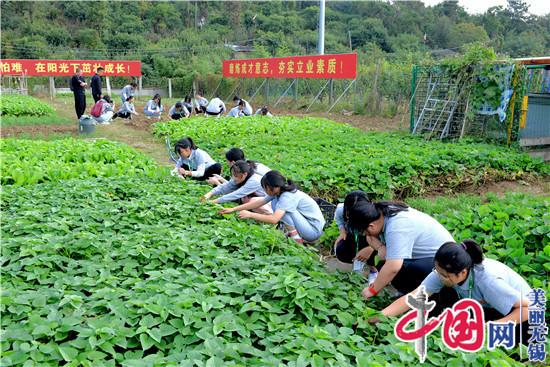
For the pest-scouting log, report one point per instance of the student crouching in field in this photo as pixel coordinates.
(200, 103)
(186, 102)
(264, 111)
(461, 272)
(406, 238)
(351, 246)
(127, 109)
(178, 111)
(194, 162)
(216, 107)
(244, 186)
(233, 155)
(103, 110)
(245, 107)
(299, 213)
(154, 107)
(127, 91)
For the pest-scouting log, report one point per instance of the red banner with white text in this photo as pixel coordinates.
(68, 67)
(337, 66)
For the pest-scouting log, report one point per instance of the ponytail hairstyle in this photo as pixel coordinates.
(275, 179)
(157, 96)
(456, 257)
(184, 144)
(129, 98)
(242, 167)
(364, 213)
(351, 199)
(234, 155)
(107, 99)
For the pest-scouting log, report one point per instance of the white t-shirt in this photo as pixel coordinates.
(494, 285)
(216, 105)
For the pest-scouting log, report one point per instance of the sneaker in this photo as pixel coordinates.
(372, 277)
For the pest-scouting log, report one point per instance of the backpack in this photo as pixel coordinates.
(97, 108)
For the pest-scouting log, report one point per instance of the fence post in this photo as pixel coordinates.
(52, 88)
(108, 81)
(331, 92)
(169, 87)
(140, 82)
(266, 92)
(413, 100)
(296, 93)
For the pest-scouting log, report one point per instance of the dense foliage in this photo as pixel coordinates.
(25, 162)
(330, 159)
(20, 105)
(136, 272)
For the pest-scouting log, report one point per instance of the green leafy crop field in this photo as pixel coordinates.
(25, 162)
(136, 272)
(20, 105)
(329, 159)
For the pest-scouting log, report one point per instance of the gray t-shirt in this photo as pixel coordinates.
(300, 202)
(198, 162)
(339, 216)
(231, 191)
(494, 285)
(412, 234)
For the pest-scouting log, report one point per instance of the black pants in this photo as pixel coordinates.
(214, 169)
(213, 113)
(200, 109)
(347, 249)
(97, 96)
(124, 115)
(79, 104)
(412, 273)
(177, 116)
(447, 297)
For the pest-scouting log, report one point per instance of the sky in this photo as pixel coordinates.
(537, 7)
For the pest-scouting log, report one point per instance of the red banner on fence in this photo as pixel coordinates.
(68, 67)
(338, 66)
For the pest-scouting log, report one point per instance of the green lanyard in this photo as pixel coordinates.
(471, 283)
(356, 234)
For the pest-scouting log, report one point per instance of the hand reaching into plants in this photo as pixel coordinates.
(226, 211)
(244, 214)
(364, 254)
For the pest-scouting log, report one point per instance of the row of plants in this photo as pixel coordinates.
(27, 162)
(329, 159)
(137, 272)
(22, 105)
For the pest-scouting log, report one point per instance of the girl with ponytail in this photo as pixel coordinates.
(405, 237)
(194, 162)
(299, 213)
(461, 271)
(245, 186)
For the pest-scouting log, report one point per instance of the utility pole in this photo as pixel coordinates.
(321, 39)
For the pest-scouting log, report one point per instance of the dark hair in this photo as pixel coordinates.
(275, 179)
(157, 96)
(351, 199)
(99, 69)
(129, 98)
(242, 167)
(456, 257)
(236, 98)
(364, 213)
(241, 103)
(184, 144)
(264, 110)
(187, 99)
(179, 105)
(134, 84)
(107, 99)
(234, 154)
